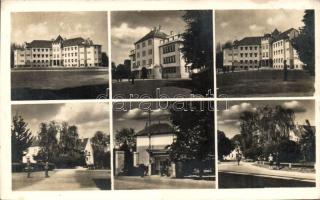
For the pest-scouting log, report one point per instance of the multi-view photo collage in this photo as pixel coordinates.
(170, 99)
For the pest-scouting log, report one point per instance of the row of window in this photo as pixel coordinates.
(265, 54)
(278, 44)
(250, 48)
(265, 46)
(144, 62)
(250, 54)
(169, 48)
(169, 70)
(40, 49)
(144, 44)
(144, 53)
(169, 59)
(278, 60)
(70, 48)
(249, 61)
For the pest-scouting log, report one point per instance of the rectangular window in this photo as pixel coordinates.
(143, 44)
(149, 42)
(144, 63)
(138, 55)
(143, 53)
(150, 61)
(250, 48)
(138, 46)
(150, 51)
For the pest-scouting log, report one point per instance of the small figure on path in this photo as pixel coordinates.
(28, 168)
(278, 161)
(270, 159)
(132, 78)
(46, 169)
(238, 157)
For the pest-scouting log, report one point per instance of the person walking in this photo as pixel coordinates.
(238, 157)
(46, 169)
(278, 160)
(270, 159)
(28, 168)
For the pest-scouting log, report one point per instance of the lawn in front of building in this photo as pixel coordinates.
(179, 88)
(265, 83)
(58, 84)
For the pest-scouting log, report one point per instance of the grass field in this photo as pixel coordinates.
(58, 84)
(265, 83)
(148, 88)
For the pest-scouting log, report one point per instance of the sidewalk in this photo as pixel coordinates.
(250, 169)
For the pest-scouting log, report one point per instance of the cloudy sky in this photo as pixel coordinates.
(135, 115)
(129, 26)
(88, 117)
(237, 24)
(30, 26)
(228, 119)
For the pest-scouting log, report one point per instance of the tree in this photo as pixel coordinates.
(194, 131)
(225, 145)
(69, 146)
(100, 141)
(48, 142)
(125, 139)
(198, 48)
(198, 43)
(194, 138)
(104, 59)
(123, 71)
(305, 42)
(21, 138)
(308, 142)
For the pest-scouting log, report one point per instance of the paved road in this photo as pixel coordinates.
(156, 182)
(63, 179)
(247, 175)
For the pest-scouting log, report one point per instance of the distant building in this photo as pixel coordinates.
(152, 146)
(74, 52)
(159, 55)
(31, 152)
(88, 152)
(269, 51)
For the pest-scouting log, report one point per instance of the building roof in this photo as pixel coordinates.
(74, 41)
(156, 129)
(285, 34)
(58, 39)
(155, 33)
(249, 41)
(84, 142)
(39, 44)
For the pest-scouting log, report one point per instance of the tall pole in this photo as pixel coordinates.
(149, 134)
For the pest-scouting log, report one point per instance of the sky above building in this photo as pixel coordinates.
(136, 115)
(233, 25)
(88, 117)
(28, 26)
(127, 27)
(229, 112)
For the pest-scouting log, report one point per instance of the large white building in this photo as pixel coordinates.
(270, 51)
(159, 55)
(75, 52)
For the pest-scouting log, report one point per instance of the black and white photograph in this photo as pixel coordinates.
(163, 145)
(162, 54)
(266, 144)
(59, 55)
(60, 147)
(262, 53)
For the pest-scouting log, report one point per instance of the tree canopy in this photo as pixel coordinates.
(194, 134)
(305, 42)
(21, 138)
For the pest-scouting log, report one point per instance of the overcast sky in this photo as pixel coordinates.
(237, 24)
(28, 26)
(88, 117)
(136, 115)
(228, 119)
(128, 27)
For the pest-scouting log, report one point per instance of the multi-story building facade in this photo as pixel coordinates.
(269, 51)
(75, 52)
(159, 55)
